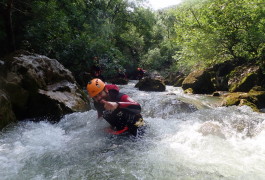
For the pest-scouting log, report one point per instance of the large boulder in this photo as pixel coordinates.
(199, 82)
(243, 78)
(149, 84)
(220, 72)
(254, 99)
(40, 87)
(7, 115)
(175, 79)
(120, 81)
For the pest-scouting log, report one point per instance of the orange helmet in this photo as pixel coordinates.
(94, 87)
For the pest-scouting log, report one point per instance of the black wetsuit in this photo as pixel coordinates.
(127, 115)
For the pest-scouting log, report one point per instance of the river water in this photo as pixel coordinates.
(188, 137)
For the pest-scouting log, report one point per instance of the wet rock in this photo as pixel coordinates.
(244, 78)
(41, 87)
(211, 128)
(188, 91)
(247, 128)
(254, 99)
(240, 127)
(149, 84)
(7, 115)
(233, 76)
(175, 79)
(231, 99)
(155, 75)
(217, 94)
(120, 81)
(257, 88)
(199, 81)
(170, 94)
(219, 73)
(243, 102)
(179, 82)
(2, 67)
(83, 78)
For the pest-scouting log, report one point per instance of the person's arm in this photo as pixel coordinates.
(99, 108)
(100, 114)
(125, 103)
(129, 104)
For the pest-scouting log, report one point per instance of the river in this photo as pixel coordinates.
(198, 140)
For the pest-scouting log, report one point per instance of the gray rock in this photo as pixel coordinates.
(40, 87)
(7, 115)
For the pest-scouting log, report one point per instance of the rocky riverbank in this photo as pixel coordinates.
(243, 82)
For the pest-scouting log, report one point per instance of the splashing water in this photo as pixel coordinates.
(182, 141)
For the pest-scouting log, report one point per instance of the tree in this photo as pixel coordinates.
(6, 9)
(213, 31)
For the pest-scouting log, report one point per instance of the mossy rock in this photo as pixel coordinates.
(199, 81)
(188, 91)
(175, 79)
(257, 88)
(219, 74)
(149, 84)
(254, 99)
(179, 82)
(258, 98)
(245, 84)
(244, 78)
(232, 99)
(250, 104)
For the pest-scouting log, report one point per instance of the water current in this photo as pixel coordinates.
(188, 137)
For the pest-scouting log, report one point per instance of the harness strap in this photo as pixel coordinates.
(117, 132)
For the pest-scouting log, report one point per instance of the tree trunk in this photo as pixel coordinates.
(7, 16)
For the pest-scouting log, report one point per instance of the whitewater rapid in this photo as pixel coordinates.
(187, 137)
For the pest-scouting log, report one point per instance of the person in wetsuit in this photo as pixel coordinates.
(96, 72)
(118, 109)
(140, 73)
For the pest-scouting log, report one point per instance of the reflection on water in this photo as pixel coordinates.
(182, 141)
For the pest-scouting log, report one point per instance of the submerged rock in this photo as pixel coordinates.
(211, 128)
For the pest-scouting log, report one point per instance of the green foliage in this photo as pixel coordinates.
(123, 34)
(213, 31)
(162, 46)
(76, 31)
(153, 59)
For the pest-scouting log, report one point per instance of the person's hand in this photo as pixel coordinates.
(109, 105)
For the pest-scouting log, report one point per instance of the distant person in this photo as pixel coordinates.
(140, 73)
(96, 72)
(121, 74)
(118, 109)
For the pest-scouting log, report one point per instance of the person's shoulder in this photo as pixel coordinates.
(112, 87)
